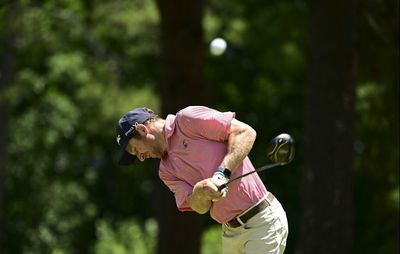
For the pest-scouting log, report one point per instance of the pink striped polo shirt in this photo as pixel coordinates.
(196, 139)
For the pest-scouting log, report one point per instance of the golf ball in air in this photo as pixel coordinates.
(218, 46)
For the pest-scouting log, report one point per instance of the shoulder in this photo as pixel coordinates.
(196, 112)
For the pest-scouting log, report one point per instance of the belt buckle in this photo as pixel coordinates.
(238, 219)
(235, 223)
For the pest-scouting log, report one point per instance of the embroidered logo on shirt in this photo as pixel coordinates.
(185, 143)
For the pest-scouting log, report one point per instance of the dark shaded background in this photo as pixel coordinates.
(325, 72)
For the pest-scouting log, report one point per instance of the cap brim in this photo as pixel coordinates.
(125, 158)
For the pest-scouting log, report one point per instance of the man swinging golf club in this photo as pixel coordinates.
(200, 150)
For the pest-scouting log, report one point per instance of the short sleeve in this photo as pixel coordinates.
(205, 122)
(180, 189)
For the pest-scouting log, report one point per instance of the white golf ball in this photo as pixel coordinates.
(218, 46)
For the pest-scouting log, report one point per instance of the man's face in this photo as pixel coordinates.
(144, 147)
(139, 148)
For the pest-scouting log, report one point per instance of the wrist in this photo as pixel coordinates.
(225, 171)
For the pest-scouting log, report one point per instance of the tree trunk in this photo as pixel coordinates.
(327, 219)
(7, 65)
(182, 84)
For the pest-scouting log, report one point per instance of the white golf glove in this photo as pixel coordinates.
(219, 178)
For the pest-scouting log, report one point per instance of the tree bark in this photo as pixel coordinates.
(327, 219)
(7, 72)
(182, 84)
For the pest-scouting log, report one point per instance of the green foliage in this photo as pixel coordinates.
(126, 237)
(376, 176)
(377, 128)
(79, 65)
(130, 237)
(70, 88)
(264, 65)
(66, 207)
(211, 242)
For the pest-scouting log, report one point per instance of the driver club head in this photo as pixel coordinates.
(281, 149)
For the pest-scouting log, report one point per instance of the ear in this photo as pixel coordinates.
(144, 132)
(142, 129)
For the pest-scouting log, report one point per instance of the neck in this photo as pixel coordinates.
(159, 132)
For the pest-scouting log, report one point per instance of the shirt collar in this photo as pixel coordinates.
(169, 127)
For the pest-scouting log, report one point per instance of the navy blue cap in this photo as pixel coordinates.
(126, 128)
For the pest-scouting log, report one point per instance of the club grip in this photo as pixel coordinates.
(221, 187)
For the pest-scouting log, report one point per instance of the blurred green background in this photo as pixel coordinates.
(71, 68)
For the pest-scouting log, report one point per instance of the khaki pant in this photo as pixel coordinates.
(265, 233)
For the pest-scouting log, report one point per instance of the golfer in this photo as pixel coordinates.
(200, 149)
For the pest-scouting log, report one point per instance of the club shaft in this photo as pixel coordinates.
(265, 167)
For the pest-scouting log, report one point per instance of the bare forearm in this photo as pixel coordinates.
(240, 143)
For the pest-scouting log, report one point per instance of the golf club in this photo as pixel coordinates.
(280, 151)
